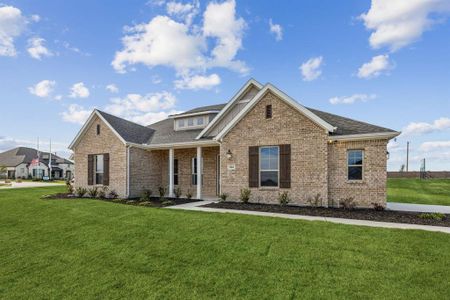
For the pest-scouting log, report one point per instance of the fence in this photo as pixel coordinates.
(416, 174)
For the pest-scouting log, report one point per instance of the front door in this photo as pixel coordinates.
(218, 175)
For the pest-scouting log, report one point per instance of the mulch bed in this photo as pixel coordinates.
(359, 214)
(153, 202)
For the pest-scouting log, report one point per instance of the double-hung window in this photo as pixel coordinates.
(98, 168)
(269, 166)
(355, 164)
(195, 171)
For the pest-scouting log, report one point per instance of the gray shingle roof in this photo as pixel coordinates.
(163, 131)
(129, 131)
(348, 126)
(16, 156)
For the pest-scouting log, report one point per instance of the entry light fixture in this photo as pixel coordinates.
(229, 154)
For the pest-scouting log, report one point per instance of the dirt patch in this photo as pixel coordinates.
(358, 214)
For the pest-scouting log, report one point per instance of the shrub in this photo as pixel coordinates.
(167, 203)
(19, 180)
(432, 216)
(315, 201)
(177, 192)
(245, 195)
(7, 180)
(188, 194)
(146, 194)
(223, 197)
(283, 198)
(92, 192)
(378, 206)
(102, 192)
(69, 187)
(347, 203)
(112, 194)
(162, 191)
(80, 191)
(146, 203)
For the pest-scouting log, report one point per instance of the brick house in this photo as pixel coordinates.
(261, 139)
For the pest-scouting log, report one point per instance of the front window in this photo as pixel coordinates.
(181, 123)
(175, 171)
(200, 121)
(98, 168)
(268, 166)
(194, 171)
(355, 164)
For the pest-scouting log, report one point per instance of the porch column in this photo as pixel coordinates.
(199, 172)
(171, 172)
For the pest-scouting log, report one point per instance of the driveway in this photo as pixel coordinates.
(28, 184)
(443, 209)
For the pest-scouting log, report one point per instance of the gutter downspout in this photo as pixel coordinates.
(128, 172)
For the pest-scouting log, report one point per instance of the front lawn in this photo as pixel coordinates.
(430, 191)
(97, 249)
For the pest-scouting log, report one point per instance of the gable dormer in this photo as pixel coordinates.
(197, 118)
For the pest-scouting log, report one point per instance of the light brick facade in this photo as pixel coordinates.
(105, 142)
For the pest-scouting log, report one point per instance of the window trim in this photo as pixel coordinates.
(358, 165)
(95, 169)
(271, 170)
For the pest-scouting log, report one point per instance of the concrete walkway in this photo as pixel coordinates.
(443, 209)
(28, 184)
(196, 206)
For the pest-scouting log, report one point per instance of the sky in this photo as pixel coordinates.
(385, 62)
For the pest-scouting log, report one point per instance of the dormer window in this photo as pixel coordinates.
(190, 122)
(181, 123)
(200, 121)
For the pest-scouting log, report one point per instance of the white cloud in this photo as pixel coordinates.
(311, 68)
(112, 88)
(36, 48)
(79, 90)
(185, 12)
(398, 23)
(43, 88)
(156, 79)
(417, 128)
(375, 67)
(277, 30)
(152, 117)
(76, 114)
(142, 108)
(352, 99)
(35, 18)
(198, 82)
(58, 97)
(182, 46)
(435, 145)
(12, 24)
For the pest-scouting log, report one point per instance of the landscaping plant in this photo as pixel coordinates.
(283, 198)
(188, 194)
(80, 191)
(102, 192)
(92, 192)
(378, 206)
(162, 191)
(177, 192)
(113, 194)
(432, 216)
(245, 195)
(315, 201)
(223, 197)
(146, 194)
(348, 203)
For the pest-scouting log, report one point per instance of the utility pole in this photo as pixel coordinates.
(407, 156)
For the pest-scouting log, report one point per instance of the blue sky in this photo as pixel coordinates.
(384, 62)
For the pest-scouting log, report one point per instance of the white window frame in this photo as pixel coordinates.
(191, 123)
(268, 170)
(355, 165)
(96, 157)
(180, 123)
(193, 167)
(198, 119)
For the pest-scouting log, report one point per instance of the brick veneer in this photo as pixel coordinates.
(145, 171)
(106, 142)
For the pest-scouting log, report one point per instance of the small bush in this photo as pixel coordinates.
(348, 203)
(315, 201)
(167, 203)
(102, 192)
(432, 216)
(283, 198)
(378, 206)
(177, 192)
(69, 187)
(92, 192)
(112, 194)
(223, 197)
(162, 191)
(188, 194)
(146, 203)
(19, 180)
(80, 191)
(146, 195)
(245, 195)
(7, 180)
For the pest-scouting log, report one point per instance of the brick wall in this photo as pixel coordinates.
(106, 142)
(145, 171)
(372, 188)
(287, 126)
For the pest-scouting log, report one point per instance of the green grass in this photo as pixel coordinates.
(430, 191)
(96, 249)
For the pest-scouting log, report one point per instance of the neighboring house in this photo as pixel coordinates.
(18, 164)
(261, 139)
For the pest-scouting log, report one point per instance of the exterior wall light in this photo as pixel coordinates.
(229, 154)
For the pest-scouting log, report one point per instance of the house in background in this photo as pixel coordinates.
(261, 139)
(18, 162)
